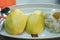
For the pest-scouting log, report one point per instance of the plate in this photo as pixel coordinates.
(28, 9)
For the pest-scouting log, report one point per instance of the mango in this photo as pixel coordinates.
(15, 22)
(35, 22)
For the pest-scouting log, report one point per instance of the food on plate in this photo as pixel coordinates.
(35, 23)
(56, 15)
(15, 22)
(52, 21)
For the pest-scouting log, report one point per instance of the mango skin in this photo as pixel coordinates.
(15, 22)
(35, 23)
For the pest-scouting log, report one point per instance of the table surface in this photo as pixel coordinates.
(33, 2)
(38, 1)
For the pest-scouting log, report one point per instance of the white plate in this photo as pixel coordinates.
(28, 9)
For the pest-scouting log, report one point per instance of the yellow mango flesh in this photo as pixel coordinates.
(35, 23)
(15, 22)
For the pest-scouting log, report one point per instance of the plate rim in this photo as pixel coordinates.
(33, 5)
(50, 37)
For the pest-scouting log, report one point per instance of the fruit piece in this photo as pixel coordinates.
(15, 22)
(56, 15)
(35, 23)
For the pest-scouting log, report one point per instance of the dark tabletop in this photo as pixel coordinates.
(7, 38)
(41, 1)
